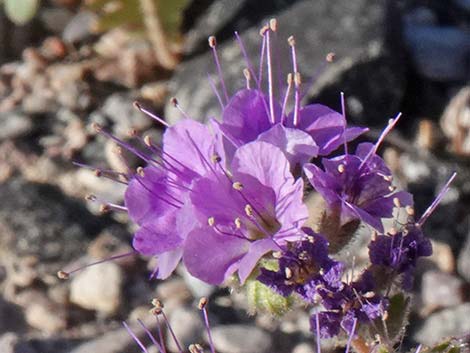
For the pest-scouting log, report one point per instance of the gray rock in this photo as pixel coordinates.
(117, 341)
(197, 287)
(38, 221)
(79, 27)
(11, 343)
(440, 290)
(14, 125)
(119, 109)
(448, 322)
(241, 339)
(98, 288)
(355, 30)
(11, 317)
(463, 260)
(188, 326)
(429, 44)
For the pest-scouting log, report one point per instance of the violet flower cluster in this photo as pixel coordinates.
(228, 197)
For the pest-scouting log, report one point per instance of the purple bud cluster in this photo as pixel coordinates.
(227, 197)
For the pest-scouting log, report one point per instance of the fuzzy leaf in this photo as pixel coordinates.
(261, 298)
(21, 11)
(397, 319)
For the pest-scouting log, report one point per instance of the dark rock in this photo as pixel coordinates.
(38, 220)
(11, 318)
(12, 343)
(357, 31)
(463, 260)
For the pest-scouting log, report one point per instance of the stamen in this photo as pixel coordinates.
(135, 338)
(297, 80)
(273, 24)
(410, 210)
(351, 335)
(396, 202)
(270, 77)
(216, 92)
(392, 188)
(437, 201)
(330, 57)
(151, 336)
(261, 58)
(66, 274)
(175, 103)
(150, 114)
(238, 222)
(341, 168)
(317, 329)
(203, 307)
(390, 126)
(215, 158)
(343, 111)
(288, 273)
(249, 210)
(247, 75)
(213, 44)
(286, 96)
(195, 348)
(158, 308)
(247, 59)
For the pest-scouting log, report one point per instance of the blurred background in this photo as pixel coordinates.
(67, 63)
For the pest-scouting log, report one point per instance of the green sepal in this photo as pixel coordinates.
(261, 298)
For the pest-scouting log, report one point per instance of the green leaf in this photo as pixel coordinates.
(21, 11)
(261, 298)
(397, 317)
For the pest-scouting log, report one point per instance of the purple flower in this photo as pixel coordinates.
(302, 267)
(156, 196)
(319, 131)
(250, 209)
(350, 304)
(357, 186)
(400, 251)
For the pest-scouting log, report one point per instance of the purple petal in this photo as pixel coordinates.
(167, 263)
(249, 261)
(298, 146)
(212, 257)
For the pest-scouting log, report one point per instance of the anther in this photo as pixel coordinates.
(392, 231)
(310, 239)
(247, 75)
(410, 210)
(385, 316)
(297, 79)
(396, 202)
(237, 186)
(195, 348)
(288, 273)
(98, 173)
(273, 24)
(215, 158)
(291, 41)
(388, 178)
(63, 275)
(90, 197)
(211, 221)
(277, 254)
(392, 188)
(157, 303)
(263, 30)
(238, 222)
(148, 140)
(249, 210)
(289, 79)
(140, 171)
(174, 101)
(104, 208)
(132, 132)
(374, 236)
(330, 57)
(202, 303)
(341, 168)
(97, 127)
(212, 41)
(369, 295)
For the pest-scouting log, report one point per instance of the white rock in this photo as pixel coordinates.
(98, 288)
(241, 339)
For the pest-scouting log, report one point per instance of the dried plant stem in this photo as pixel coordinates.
(156, 36)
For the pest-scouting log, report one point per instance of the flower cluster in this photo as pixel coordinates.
(229, 197)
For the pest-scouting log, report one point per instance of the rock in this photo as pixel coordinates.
(448, 322)
(197, 287)
(463, 261)
(188, 326)
(441, 290)
(241, 339)
(11, 343)
(173, 292)
(56, 19)
(39, 221)
(119, 109)
(355, 30)
(46, 317)
(11, 317)
(79, 28)
(428, 44)
(303, 348)
(442, 256)
(14, 125)
(117, 341)
(98, 288)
